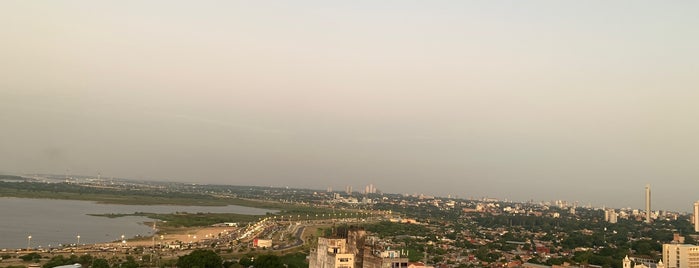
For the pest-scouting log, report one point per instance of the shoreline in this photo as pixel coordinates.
(179, 235)
(55, 224)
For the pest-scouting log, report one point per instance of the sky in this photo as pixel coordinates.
(583, 101)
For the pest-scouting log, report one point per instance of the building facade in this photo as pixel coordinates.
(331, 253)
(350, 250)
(262, 243)
(648, 212)
(641, 263)
(610, 215)
(385, 259)
(680, 256)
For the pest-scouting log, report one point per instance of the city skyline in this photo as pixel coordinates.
(349, 190)
(540, 100)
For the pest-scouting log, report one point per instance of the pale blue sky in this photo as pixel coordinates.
(544, 100)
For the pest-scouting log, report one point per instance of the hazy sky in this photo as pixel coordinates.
(543, 100)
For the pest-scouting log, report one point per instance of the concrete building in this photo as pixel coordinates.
(641, 263)
(262, 243)
(610, 216)
(344, 250)
(418, 265)
(677, 239)
(385, 259)
(356, 241)
(348, 249)
(696, 216)
(370, 189)
(331, 253)
(680, 256)
(648, 212)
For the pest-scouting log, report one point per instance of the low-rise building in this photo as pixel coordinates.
(262, 243)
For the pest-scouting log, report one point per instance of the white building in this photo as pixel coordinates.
(645, 263)
(262, 243)
(648, 211)
(681, 256)
(610, 216)
(77, 265)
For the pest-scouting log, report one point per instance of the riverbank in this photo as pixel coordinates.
(53, 223)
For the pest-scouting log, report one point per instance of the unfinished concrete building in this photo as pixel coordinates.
(384, 259)
(347, 248)
(331, 253)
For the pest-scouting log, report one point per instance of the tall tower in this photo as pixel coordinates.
(696, 216)
(647, 203)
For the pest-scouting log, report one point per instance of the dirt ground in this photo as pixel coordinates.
(186, 235)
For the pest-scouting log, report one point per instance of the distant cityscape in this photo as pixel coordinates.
(374, 229)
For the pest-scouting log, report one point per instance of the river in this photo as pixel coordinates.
(51, 222)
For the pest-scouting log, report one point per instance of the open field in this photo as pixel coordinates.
(123, 197)
(185, 235)
(141, 196)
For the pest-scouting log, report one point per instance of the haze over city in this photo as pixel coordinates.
(543, 100)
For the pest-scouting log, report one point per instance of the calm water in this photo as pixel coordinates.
(53, 222)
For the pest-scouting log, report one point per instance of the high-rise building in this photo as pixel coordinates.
(696, 216)
(348, 189)
(370, 189)
(680, 256)
(648, 212)
(613, 217)
(610, 215)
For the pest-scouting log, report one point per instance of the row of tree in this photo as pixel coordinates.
(200, 258)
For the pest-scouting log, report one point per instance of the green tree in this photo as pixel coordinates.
(85, 260)
(129, 263)
(60, 260)
(294, 260)
(100, 263)
(200, 259)
(31, 257)
(231, 264)
(246, 261)
(268, 261)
